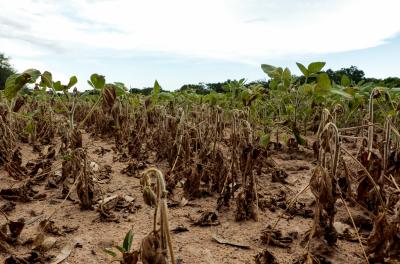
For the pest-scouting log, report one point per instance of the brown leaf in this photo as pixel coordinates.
(65, 252)
(32, 257)
(321, 186)
(221, 240)
(151, 251)
(265, 257)
(16, 227)
(108, 98)
(207, 218)
(275, 238)
(21, 192)
(130, 257)
(8, 206)
(378, 240)
(48, 226)
(75, 139)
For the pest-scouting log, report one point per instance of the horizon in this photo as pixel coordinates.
(185, 42)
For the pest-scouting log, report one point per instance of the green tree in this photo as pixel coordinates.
(217, 87)
(264, 84)
(353, 73)
(390, 82)
(143, 91)
(5, 70)
(200, 88)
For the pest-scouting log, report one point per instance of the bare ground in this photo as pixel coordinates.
(193, 246)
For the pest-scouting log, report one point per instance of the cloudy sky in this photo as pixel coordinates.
(191, 41)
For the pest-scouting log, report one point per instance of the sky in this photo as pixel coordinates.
(189, 41)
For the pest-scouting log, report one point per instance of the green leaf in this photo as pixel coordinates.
(323, 81)
(350, 90)
(265, 139)
(46, 79)
(271, 71)
(128, 241)
(278, 72)
(245, 94)
(290, 108)
(119, 91)
(29, 128)
(165, 96)
(296, 133)
(110, 252)
(134, 101)
(286, 76)
(156, 92)
(58, 86)
(72, 81)
(121, 249)
(91, 84)
(120, 88)
(97, 81)
(345, 81)
(33, 73)
(396, 90)
(307, 88)
(273, 84)
(342, 93)
(267, 68)
(362, 82)
(156, 88)
(281, 86)
(315, 67)
(11, 88)
(302, 68)
(14, 84)
(299, 138)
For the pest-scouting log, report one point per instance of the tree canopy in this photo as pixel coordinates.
(353, 73)
(5, 70)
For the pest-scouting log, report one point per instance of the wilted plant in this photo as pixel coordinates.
(156, 244)
(323, 182)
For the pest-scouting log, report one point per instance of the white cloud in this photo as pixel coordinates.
(237, 30)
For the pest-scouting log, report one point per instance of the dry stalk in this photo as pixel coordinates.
(376, 187)
(162, 204)
(355, 227)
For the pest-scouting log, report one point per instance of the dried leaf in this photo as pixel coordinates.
(16, 227)
(48, 226)
(151, 251)
(275, 238)
(221, 240)
(108, 98)
(21, 192)
(65, 252)
(207, 218)
(265, 257)
(32, 257)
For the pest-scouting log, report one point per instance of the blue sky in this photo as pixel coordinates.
(188, 41)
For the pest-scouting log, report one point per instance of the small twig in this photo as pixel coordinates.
(4, 214)
(355, 227)
(394, 182)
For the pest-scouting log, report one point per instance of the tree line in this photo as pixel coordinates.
(354, 74)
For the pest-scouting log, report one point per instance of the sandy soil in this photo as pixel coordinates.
(193, 246)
